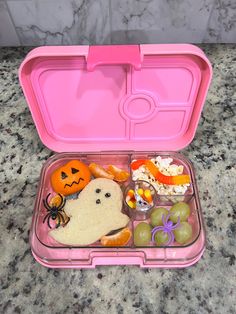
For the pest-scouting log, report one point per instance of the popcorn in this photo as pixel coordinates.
(166, 167)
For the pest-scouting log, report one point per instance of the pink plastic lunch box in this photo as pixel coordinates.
(110, 105)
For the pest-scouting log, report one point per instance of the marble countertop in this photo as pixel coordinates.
(207, 287)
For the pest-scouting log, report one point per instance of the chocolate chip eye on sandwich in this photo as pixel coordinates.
(94, 214)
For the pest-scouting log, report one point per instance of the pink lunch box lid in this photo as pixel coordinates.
(103, 98)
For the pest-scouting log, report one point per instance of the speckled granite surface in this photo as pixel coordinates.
(207, 287)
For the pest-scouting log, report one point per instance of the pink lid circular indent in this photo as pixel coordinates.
(139, 107)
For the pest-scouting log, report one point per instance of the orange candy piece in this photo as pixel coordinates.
(170, 180)
(160, 177)
(120, 238)
(119, 174)
(137, 163)
(99, 172)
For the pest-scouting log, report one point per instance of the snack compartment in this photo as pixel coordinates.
(194, 220)
(41, 229)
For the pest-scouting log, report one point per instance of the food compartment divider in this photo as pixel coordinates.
(167, 200)
(123, 160)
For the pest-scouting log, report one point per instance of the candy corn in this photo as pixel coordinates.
(140, 194)
(147, 196)
(130, 194)
(132, 204)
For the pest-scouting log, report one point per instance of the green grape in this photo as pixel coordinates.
(161, 237)
(183, 233)
(156, 216)
(142, 234)
(179, 210)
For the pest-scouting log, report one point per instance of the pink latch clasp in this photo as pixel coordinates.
(114, 55)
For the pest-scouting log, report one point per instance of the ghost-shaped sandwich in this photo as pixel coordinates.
(95, 213)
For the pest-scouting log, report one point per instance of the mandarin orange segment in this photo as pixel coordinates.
(56, 201)
(120, 238)
(99, 172)
(119, 174)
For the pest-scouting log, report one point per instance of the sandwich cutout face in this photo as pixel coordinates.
(70, 178)
(94, 214)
